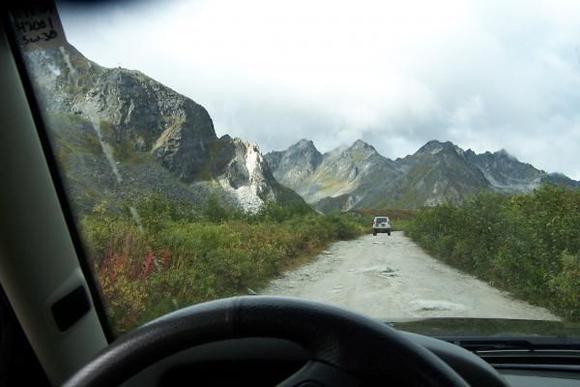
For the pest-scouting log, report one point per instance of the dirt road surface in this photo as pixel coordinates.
(391, 277)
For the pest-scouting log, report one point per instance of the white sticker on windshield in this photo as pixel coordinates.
(38, 27)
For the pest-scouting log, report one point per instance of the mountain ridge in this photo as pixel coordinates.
(438, 172)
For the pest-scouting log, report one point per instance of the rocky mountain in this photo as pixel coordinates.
(295, 164)
(339, 172)
(359, 177)
(505, 173)
(435, 174)
(561, 180)
(119, 134)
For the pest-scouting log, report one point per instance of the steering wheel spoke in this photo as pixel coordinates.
(318, 374)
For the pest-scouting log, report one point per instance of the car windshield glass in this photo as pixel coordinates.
(220, 148)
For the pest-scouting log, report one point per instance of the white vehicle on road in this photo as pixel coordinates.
(381, 224)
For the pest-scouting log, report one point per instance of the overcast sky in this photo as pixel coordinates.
(485, 75)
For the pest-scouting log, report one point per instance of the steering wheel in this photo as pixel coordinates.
(346, 348)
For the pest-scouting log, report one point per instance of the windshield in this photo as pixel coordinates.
(212, 149)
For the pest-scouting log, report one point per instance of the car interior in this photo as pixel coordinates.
(54, 328)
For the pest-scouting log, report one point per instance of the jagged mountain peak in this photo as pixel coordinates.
(357, 151)
(358, 155)
(293, 165)
(303, 143)
(434, 144)
(503, 153)
(435, 147)
(504, 156)
(361, 146)
(303, 147)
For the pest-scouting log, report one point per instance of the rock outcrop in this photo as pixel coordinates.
(133, 135)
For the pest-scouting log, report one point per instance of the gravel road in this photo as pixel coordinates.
(391, 277)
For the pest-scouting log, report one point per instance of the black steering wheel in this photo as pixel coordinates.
(346, 348)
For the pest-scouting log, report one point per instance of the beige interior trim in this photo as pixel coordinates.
(38, 262)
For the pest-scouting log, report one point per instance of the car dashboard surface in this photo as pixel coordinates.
(266, 362)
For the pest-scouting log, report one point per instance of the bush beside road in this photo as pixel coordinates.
(528, 245)
(182, 256)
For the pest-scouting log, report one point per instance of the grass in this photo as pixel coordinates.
(186, 255)
(528, 245)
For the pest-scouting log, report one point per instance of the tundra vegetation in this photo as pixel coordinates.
(184, 255)
(528, 245)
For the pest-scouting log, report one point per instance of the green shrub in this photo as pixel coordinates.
(185, 255)
(527, 244)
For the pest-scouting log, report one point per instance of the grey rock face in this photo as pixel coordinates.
(435, 174)
(505, 173)
(132, 109)
(241, 170)
(295, 164)
(343, 173)
(135, 120)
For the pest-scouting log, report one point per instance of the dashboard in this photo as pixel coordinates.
(266, 362)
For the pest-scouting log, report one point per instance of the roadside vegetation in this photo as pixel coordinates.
(528, 245)
(183, 255)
